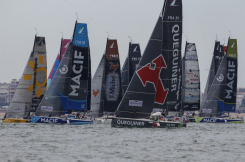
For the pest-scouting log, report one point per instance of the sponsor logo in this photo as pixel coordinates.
(209, 120)
(136, 103)
(95, 93)
(220, 78)
(48, 120)
(173, 3)
(77, 69)
(135, 49)
(112, 88)
(152, 75)
(63, 69)
(113, 67)
(46, 108)
(67, 44)
(175, 61)
(81, 31)
(18, 109)
(231, 70)
(130, 123)
(233, 45)
(112, 45)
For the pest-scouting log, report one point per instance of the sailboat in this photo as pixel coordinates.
(221, 97)
(190, 79)
(69, 90)
(106, 84)
(157, 78)
(32, 85)
(130, 65)
(63, 47)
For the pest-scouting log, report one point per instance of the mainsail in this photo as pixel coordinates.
(222, 94)
(70, 87)
(113, 91)
(130, 65)
(171, 51)
(191, 79)
(33, 82)
(215, 63)
(63, 47)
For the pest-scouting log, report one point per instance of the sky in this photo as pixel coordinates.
(204, 21)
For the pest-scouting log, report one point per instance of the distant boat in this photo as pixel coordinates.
(130, 65)
(106, 84)
(32, 85)
(191, 79)
(221, 97)
(157, 78)
(63, 47)
(69, 90)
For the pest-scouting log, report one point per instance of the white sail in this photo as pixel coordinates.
(28, 90)
(97, 89)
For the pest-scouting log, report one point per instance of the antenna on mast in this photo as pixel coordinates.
(130, 39)
(77, 16)
(108, 35)
(36, 30)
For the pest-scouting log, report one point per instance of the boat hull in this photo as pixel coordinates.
(144, 123)
(217, 120)
(56, 120)
(14, 120)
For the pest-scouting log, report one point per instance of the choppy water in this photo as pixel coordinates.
(197, 142)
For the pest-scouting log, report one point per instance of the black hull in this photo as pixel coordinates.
(144, 123)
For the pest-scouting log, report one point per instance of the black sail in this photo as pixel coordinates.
(69, 88)
(130, 65)
(112, 84)
(125, 75)
(139, 98)
(171, 51)
(215, 63)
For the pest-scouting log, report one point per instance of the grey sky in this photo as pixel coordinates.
(202, 20)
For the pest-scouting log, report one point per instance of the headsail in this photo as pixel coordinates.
(33, 82)
(222, 94)
(113, 91)
(139, 98)
(69, 88)
(97, 101)
(63, 47)
(191, 79)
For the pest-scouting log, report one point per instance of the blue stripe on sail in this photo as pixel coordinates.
(56, 65)
(68, 104)
(223, 107)
(81, 35)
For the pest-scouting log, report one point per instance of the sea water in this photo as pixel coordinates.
(101, 143)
